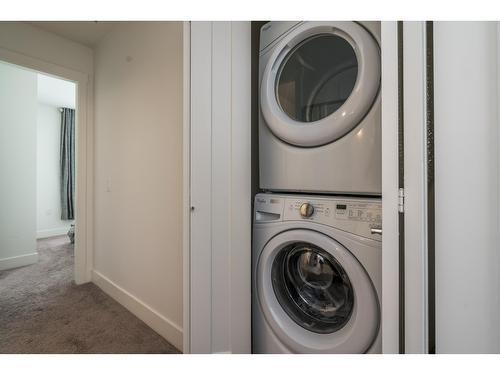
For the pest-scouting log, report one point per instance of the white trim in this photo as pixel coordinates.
(84, 149)
(414, 81)
(19, 261)
(186, 136)
(159, 323)
(46, 233)
(414, 187)
(201, 188)
(390, 238)
(221, 152)
(241, 189)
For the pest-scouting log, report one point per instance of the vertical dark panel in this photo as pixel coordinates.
(256, 26)
(401, 222)
(431, 271)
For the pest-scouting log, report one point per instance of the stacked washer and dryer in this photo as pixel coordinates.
(316, 262)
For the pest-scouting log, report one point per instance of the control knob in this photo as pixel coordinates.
(306, 209)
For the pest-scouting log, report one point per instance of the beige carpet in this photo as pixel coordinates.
(43, 311)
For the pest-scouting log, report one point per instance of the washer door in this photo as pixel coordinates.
(315, 295)
(320, 82)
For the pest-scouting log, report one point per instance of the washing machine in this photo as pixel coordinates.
(320, 115)
(316, 274)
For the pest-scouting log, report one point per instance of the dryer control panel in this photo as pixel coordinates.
(360, 216)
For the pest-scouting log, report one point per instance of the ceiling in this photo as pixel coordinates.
(88, 33)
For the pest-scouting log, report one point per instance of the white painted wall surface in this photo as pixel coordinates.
(467, 191)
(56, 92)
(48, 196)
(220, 289)
(138, 171)
(17, 166)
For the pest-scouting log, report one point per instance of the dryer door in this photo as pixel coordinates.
(320, 82)
(315, 295)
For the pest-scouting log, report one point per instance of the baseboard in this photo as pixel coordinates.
(159, 323)
(52, 232)
(19, 261)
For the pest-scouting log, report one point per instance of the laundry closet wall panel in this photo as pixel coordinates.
(220, 234)
(466, 187)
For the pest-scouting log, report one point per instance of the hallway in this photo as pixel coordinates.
(43, 311)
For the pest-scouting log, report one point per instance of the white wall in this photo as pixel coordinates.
(48, 197)
(466, 187)
(18, 90)
(138, 171)
(56, 92)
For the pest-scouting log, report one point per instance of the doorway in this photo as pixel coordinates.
(32, 68)
(38, 164)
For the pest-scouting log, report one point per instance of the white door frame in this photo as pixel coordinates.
(390, 215)
(218, 250)
(415, 187)
(186, 188)
(404, 289)
(84, 157)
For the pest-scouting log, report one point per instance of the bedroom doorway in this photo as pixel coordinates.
(38, 162)
(56, 169)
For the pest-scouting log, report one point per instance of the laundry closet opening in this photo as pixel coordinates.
(316, 187)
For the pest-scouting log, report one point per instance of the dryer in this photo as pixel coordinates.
(320, 115)
(316, 274)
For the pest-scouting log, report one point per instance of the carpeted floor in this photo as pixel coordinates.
(43, 311)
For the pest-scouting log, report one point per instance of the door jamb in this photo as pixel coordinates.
(415, 187)
(390, 175)
(186, 189)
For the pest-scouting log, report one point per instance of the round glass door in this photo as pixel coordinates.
(316, 78)
(312, 288)
(319, 82)
(315, 295)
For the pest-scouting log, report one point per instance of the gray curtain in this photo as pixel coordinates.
(67, 164)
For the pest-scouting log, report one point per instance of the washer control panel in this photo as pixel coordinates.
(369, 212)
(359, 211)
(361, 216)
